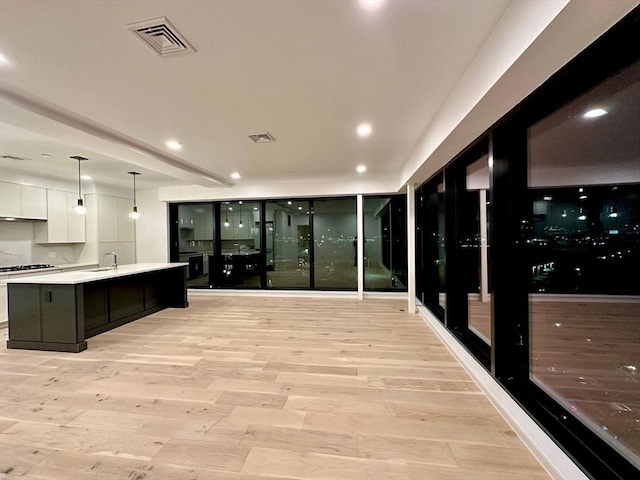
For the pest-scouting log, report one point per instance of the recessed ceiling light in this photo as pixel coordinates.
(173, 145)
(289, 202)
(4, 60)
(86, 177)
(371, 4)
(361, 169)
(45, 155)
(595, 113)
(364, 129)
(235, 176)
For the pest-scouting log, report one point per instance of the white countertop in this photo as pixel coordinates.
(84, 276)
(53, 268)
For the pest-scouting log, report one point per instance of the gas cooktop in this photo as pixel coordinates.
(19, 268)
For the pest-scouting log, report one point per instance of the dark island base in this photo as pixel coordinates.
(48, 346)
(59, 317)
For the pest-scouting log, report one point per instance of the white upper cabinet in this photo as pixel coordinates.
(23, 201)
(63, 225)
(114, 224)
(107, 219)
(124, 225)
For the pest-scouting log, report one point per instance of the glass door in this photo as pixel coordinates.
(287, 246)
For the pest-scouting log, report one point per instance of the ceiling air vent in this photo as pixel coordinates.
(161, 36)
(263, 137)
(8, 156)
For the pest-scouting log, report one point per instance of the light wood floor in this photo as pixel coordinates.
(255, 389)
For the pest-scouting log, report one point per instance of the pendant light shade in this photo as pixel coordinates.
(79, 208)
(134, 214)
(240, 225)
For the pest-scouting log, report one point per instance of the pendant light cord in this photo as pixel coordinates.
(79, 181)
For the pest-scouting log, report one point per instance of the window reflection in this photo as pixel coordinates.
(334, 231)
(240, 260)
(196, 244)
(474, 247)
(287, 248)
(583, 239)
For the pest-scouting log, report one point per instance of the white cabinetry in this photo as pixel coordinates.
(23, 201)
(62, 225)
(116, 231)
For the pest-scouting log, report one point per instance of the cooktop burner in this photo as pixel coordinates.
(19, 268)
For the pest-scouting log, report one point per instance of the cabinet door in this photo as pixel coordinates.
(124, 224)
(126, 298)
(95, 306)
(33, 202)
(9, 199)
(126, 253)
(59, 322)
(75, 223)
(107, 219)
(58, 207)
(24, 313)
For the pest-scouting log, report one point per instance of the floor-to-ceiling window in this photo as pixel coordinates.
(475, 246)
(334, 243)
(196, 243)
(559, 194)
(240, 261)
(584, 244)
(301, 244)
(430, 245)
(288, 248)
(385, 243)
(468, 300)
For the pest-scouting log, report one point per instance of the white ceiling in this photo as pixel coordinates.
(308, 72)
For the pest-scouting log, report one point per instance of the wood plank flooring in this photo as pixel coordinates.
(255, 389)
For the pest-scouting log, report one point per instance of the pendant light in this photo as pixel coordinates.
(134, 214)
(240, 224)
(79, 208)
(582, 215)
(226, 215)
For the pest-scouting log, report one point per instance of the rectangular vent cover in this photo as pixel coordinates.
(161, 36)
(262, 137)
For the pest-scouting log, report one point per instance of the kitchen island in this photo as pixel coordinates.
(58, 312)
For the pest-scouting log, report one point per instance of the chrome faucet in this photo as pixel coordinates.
(114, 265)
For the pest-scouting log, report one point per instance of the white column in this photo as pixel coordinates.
(411, 248)
(484, 264)
(360, 244)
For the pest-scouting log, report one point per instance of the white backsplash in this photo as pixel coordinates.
(17, 247)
